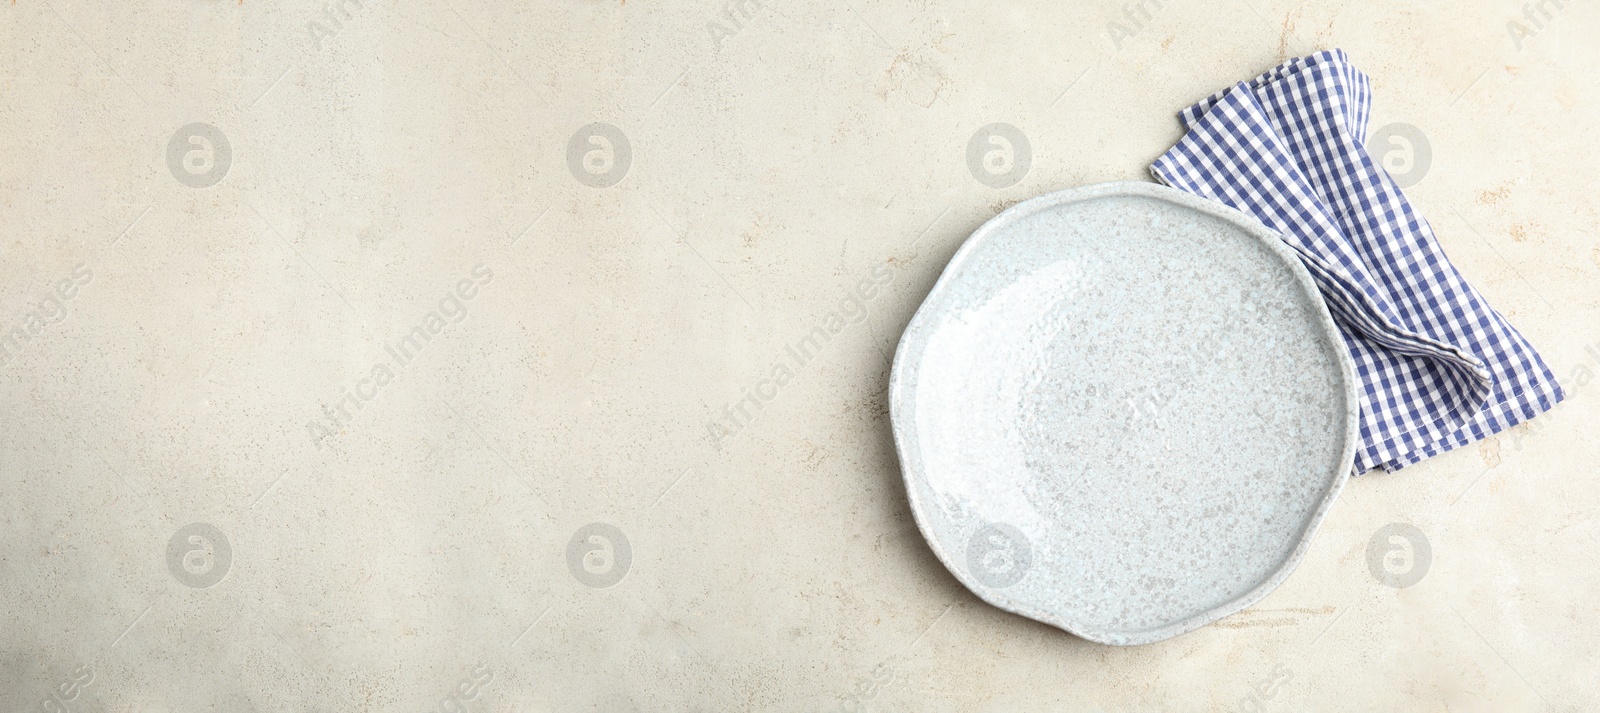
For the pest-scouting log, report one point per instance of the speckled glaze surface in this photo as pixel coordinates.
(1122, 411)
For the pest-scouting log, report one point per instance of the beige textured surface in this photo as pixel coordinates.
(422, 551)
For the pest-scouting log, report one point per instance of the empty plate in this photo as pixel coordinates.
(1122, 411)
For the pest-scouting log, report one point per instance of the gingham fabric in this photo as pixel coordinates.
(1437, 367)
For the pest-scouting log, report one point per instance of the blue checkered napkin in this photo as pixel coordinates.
(1437, 366)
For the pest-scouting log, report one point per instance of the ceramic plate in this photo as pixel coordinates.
(1122, 411)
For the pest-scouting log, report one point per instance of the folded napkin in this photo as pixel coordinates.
(1436, 366)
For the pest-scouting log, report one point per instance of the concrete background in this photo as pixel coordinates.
(199, 301)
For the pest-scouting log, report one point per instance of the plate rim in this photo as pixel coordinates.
(900, 382)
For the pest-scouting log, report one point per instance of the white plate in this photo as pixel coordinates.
(1122, 411)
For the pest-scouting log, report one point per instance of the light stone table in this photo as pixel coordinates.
(451, 355)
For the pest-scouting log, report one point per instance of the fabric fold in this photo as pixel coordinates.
(1438, 367)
